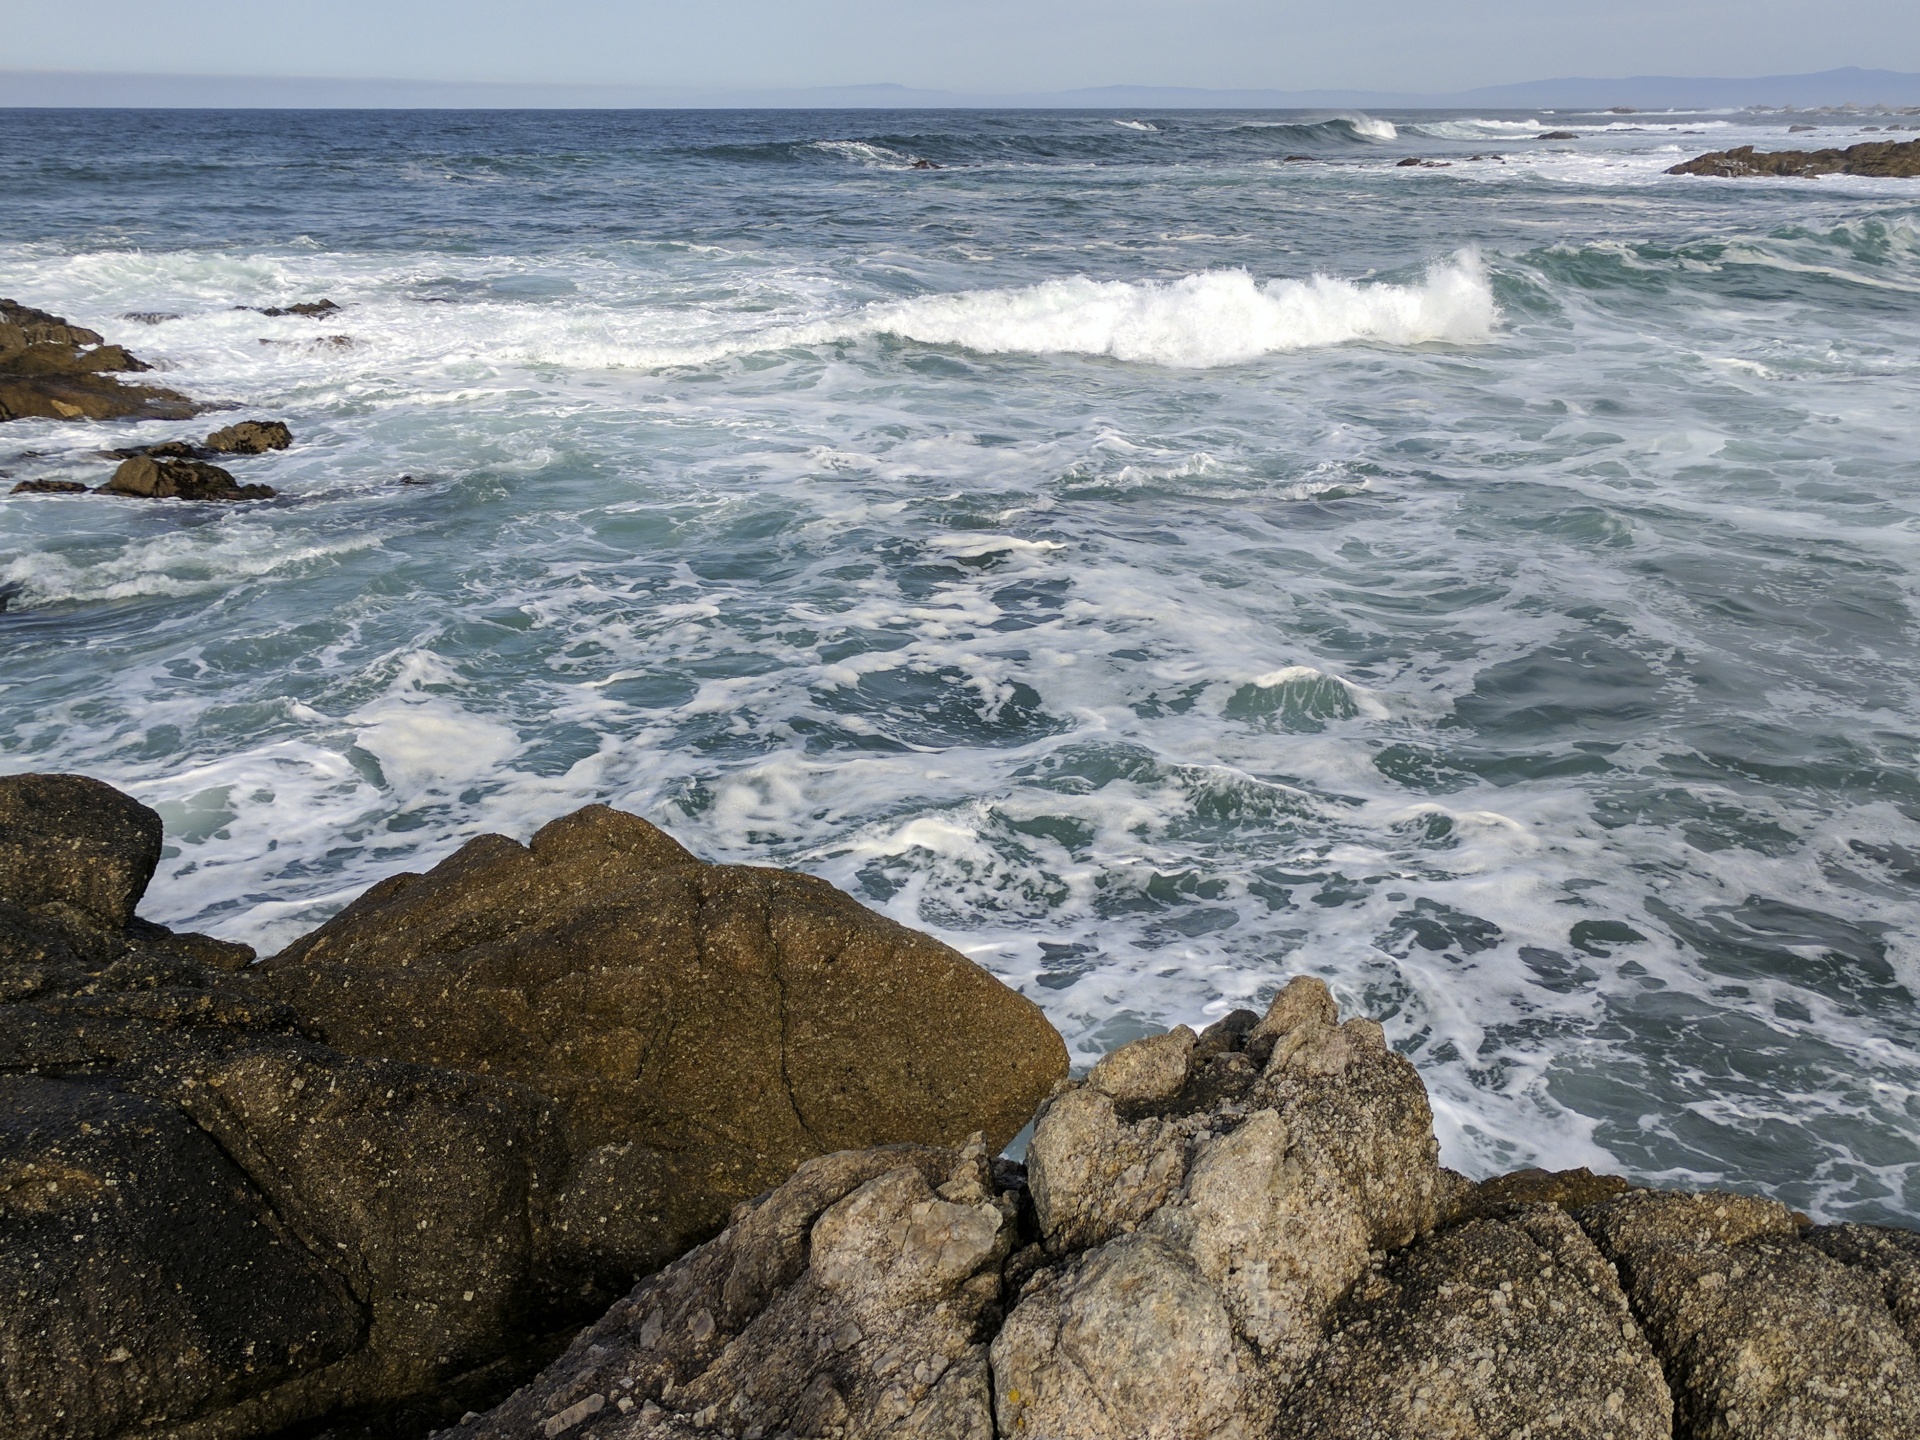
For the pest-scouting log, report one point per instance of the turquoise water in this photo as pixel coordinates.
(1154, 565)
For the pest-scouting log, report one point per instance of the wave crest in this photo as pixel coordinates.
(1347, 129)
(1221, 317)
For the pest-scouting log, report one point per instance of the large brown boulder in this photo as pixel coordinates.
(702, 1028)
(52, 370)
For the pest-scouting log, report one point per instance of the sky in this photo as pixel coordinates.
(970, 45)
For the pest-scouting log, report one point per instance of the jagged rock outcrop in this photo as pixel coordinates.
(1895, 158)
(214, 1224)
(1244, 1235)
(52, 370)
(848, 1301)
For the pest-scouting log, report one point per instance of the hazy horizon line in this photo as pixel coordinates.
(82, 89)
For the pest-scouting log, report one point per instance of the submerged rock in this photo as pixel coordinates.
(148, 478)
(312, 309)
(216, 1225)
(1896, 158)
(52, 370)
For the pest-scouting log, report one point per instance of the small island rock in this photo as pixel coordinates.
(1891, 158)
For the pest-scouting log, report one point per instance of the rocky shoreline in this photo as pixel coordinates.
(1887, 158)
(745, 1131)
(52, 370)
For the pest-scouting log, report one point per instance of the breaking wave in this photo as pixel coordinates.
(1221, 317)
(1348, 129)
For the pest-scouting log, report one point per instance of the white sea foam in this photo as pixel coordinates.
(1223, 317)
(1136, 125)
(1368, 127)
(864, 152)
(1479, 129)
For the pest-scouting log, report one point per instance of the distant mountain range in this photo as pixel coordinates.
(72, 89)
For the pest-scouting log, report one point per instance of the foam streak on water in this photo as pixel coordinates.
(1156, 564)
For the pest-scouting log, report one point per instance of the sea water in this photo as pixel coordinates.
(1159, 554)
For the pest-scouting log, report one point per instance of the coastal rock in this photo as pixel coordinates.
(1244, 1235)
(48, 487)
(1896, 158)
(214, 1225)
(52, 370)
(312, 309)
(1764, 1336)
(72, 843)
(145, 1278)
(250, 437)
(702, 1029)
(1500, 1327)
(1890, 1257)
(383, 1178)
(148, 478)
(1131, 1340)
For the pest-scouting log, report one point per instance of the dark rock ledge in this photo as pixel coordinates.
(1895, 158)
(381, 1177)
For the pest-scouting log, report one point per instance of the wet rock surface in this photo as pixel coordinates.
(52, 370)
(147, 478)
(216, 1224)
(250, 437)
(1896, 158)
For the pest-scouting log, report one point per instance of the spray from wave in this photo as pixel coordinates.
(1222, 317)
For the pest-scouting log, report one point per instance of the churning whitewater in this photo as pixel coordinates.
(1159, 553)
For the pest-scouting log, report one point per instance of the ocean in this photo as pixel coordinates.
(1157, 553)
